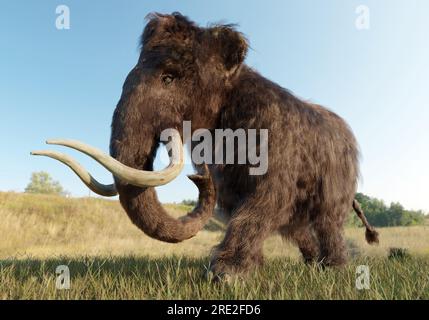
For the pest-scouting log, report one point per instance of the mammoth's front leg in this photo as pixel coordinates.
(206, 197)
(206, 191)
(241, 249)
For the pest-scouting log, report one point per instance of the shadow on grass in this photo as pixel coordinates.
(128, 266)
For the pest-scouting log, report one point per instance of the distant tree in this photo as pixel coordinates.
(188, 202)
(413, 218)
(395, 212)
(42, 182)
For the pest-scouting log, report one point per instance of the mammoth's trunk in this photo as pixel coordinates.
(147, 213)
(142, 204)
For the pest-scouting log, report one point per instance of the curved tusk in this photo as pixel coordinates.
(139, 178)
(101, 189)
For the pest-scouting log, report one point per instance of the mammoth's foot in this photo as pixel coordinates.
(220, 277)
(332, 261)
(218, 274)
(310, 255)
(236, 267)
(241, 249)
(332, 248)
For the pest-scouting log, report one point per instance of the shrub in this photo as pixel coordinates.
(42, 183)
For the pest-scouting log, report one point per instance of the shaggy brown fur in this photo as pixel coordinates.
(190, 73)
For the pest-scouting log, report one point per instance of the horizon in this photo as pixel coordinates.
(66, 83)
(92, 195)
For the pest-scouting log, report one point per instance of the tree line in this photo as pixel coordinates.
(381, 215)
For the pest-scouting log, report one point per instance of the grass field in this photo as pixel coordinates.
(109, 258)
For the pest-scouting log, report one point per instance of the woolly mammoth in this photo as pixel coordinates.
(189, 73)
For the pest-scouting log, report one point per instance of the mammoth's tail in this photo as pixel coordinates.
(371, 234)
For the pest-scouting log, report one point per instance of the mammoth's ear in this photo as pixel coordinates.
(232, 45)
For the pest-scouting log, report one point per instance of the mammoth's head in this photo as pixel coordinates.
(183, 74)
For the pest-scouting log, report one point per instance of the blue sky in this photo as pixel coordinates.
(66, 83)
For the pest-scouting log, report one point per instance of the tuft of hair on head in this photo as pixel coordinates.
(158, 22)
(233, 45)
(371, 236)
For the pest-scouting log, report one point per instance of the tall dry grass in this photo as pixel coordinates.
(46, 226)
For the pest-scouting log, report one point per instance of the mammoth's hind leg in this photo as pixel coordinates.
(241, 249)
(329, 230)
(303, 236)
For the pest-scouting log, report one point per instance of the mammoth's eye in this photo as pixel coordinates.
(167, 79)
